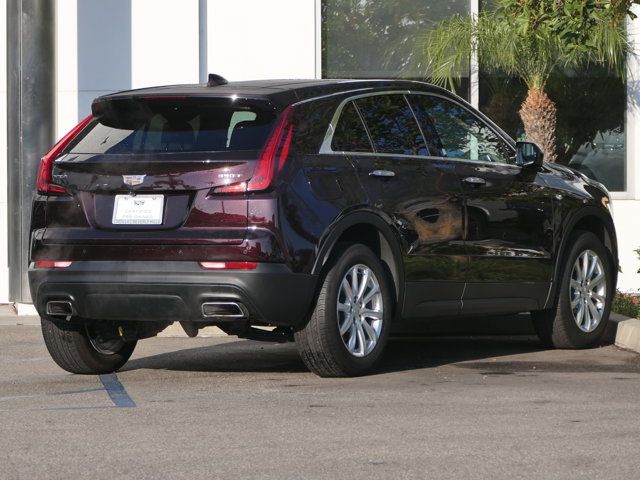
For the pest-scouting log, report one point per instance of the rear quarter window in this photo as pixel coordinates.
(351, 134)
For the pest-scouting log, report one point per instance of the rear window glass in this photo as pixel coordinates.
(392, 126)
(174, 125)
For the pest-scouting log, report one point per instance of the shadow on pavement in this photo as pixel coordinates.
(402, 354)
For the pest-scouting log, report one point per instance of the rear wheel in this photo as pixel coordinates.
(86, 348)
(349, 327)
(584, 297)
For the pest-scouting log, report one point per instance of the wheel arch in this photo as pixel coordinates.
(592, 220)
(374, 231)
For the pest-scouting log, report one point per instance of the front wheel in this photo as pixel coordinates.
(349, 327)
(584, 297)
(86, 348)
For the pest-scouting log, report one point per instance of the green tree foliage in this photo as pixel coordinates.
(530, 40)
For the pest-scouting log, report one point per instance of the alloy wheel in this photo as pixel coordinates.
(588, 291)
(360, 310)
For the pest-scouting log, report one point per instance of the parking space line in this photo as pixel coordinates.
(117, 393)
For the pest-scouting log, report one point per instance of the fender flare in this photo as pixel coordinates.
(380, 222)
(575, 218)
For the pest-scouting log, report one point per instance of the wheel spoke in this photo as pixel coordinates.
(595, 313)
(574, 302)
(354, 282)
(370, 294)
(597, 281)
(361, 340)
(367, 313)
(580, 313)
(363, 285)
(370, 331)
(346, 288)
(346, 324)
(351, 344)
(598, 297)
(575, 284)
(592, 267)
(585, 265)
(344, 307)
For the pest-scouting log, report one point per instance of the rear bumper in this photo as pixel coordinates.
(172, 291)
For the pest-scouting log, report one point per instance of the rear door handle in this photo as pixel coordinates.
(382, 173)
(476, 181)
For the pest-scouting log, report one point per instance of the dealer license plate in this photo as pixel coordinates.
(138, 210)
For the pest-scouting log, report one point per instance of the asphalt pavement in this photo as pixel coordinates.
(439, 408)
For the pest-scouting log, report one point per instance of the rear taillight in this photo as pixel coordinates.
(229, 265)
(45, 184)
(273, 156)
(52, 263)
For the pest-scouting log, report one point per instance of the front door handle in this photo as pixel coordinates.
(382, 173)
(475, 181)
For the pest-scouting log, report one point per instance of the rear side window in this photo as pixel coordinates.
(159, 125)
(350, 134)
(392, 125)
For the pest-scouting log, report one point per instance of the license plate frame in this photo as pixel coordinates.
(138, 209)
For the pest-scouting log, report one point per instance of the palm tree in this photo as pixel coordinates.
(530, 39)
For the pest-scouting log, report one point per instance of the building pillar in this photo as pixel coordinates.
(30, 122)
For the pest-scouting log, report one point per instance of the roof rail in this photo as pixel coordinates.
(216, 80)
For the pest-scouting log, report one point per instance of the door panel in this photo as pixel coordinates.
(508, 234)
(422, 197)
(508, 211)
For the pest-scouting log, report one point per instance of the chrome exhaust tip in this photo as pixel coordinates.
(224, 310)
(59, 308)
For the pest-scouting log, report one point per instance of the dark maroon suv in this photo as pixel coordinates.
(325, 212)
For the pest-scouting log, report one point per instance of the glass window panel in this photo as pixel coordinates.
(392, 126)
(462, 134)
(350, 135)
(381, 39)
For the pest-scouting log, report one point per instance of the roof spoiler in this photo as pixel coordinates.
(216, 80)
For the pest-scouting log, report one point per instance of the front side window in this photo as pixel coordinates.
(350, 134)
(392, 125)
(462, 134)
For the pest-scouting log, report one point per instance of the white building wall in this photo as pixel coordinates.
(258, 39)
(627, 205)
(4, 266)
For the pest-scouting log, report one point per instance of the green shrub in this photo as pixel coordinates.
(627, 304)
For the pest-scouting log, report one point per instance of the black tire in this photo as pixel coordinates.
(557, 327)
(70, 346)
(320, 343)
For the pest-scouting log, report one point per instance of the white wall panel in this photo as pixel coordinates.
(626, 220)
(164, 42)
(257, 39)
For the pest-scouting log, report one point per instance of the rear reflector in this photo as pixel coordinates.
(52, 264)
(229, 265)
(233, 188)
(44, 184)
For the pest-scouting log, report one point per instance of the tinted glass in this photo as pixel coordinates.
(157, 126)
(392, 126)
(434, 144)
(462, 134)
(350, 134)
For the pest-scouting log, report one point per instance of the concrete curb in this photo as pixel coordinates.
(627, 332)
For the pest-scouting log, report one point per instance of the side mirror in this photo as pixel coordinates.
(529, 155)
